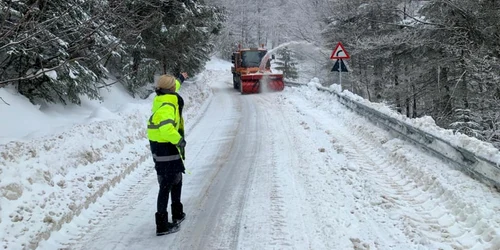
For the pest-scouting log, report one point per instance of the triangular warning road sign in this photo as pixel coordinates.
(339, 52)
(340, 66)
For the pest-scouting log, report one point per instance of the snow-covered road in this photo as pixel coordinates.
(293, 170)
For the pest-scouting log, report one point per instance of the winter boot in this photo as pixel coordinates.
(178, 214)
(163, 226)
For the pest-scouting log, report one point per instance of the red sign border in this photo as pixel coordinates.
(343, 49)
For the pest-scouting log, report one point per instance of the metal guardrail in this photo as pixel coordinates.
(463, 159)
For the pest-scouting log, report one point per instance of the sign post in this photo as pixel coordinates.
(338, 54)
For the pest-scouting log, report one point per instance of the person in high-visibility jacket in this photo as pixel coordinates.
(166, 138)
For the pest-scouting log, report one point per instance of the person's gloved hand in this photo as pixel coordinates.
(183, 76)
(182, 145)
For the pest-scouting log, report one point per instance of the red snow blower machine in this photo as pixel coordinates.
(252, 71)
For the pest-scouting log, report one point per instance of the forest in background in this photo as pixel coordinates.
(58, 50)
(437, 58)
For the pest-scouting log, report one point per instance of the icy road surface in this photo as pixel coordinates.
(286, 171)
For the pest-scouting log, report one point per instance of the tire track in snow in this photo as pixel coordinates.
(402, 194)
(241, 195)
(118, 201)
(279, 235)
(421, 204)
(280, 189)
(322, 207)
(435, 208)
(272, 217)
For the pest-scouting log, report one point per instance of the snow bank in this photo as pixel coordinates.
(24, 121)
(55, 161)
(427, 124)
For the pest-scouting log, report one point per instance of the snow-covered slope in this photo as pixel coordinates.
(55, 161)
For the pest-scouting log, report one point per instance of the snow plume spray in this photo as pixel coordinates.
(294, 44)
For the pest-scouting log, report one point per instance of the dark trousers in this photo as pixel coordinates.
(169, 184)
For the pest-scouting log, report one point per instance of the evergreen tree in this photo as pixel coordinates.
(181, 39)
(50, 49)
(57, 51)
(287, 63)
(437, 58)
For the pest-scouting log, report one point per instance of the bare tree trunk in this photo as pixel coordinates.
(164, 64)
(377, 73)
(259, 28)
(136, 55)
(407, 103)
(366, 81)
(395, 65)
(465, 98)
(414, 111)
(445, 93)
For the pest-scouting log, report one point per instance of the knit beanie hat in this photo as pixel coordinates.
(166, 82)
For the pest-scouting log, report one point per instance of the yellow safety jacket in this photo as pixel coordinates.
(178, 82)
(177, 85)
(166, 121)
(165, 131)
